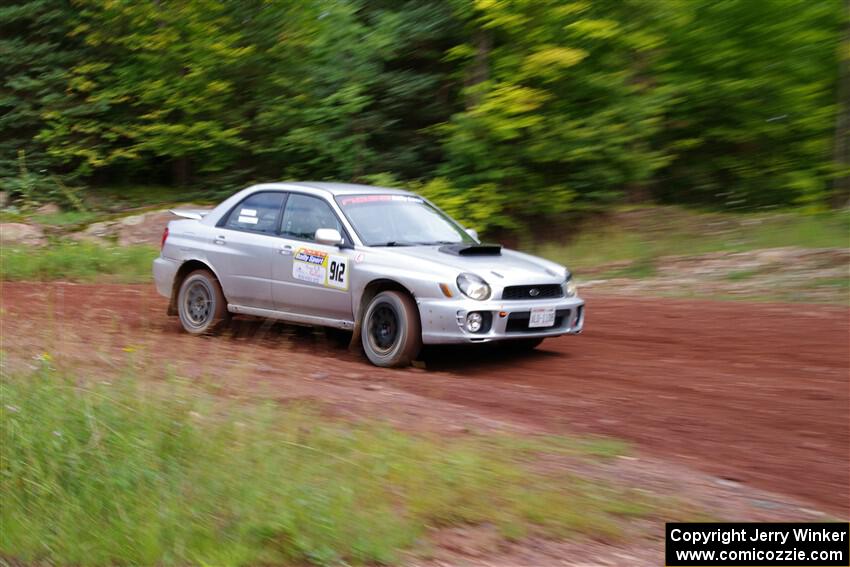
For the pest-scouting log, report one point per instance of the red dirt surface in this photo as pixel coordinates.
(757, 394)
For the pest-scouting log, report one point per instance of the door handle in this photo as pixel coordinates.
(219, 239)
(286, 249)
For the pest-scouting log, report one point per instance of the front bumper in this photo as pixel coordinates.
(443, 319)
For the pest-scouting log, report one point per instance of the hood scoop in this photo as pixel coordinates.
(472, 249)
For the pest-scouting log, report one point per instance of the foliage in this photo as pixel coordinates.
(508, 111)
(556, 110)
(35, 188)
(35, 55)
(165, 473)
(752, 101)
(158, 83)
(65, 218)
(78, 261)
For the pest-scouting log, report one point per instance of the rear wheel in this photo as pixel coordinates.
(201, 304)
(390, 333)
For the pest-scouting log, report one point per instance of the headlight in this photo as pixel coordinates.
(473, 287)
(570, 287)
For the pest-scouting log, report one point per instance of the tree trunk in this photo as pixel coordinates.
(181, 171)
(480, 69)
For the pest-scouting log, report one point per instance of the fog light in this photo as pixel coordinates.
(474, 321)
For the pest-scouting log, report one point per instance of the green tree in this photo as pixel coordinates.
(751, 116)
(416, 88)
(557, 108)
(35, 53)
(507, 111)
(161, 86)
(310, 110)
(841, 146)
(364, 95)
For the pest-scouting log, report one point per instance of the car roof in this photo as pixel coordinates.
(338, 188)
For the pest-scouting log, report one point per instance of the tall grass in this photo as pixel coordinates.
(675, 231)
(65, 218)
(165, 473)
(80, 261)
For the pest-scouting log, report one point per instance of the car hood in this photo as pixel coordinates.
(508, 267)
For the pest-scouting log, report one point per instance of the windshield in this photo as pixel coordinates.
(399, 220)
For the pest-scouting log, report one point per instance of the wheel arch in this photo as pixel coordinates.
(372, 289)
(185, 269)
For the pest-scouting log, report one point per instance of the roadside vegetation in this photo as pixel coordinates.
(643, 235)
(505, 112)
(77, 261)
(666, 250)
(164, 472)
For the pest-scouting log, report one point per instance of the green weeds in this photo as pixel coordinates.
(164, 473)
(79, 261)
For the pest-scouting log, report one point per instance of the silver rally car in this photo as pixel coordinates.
(384, 263)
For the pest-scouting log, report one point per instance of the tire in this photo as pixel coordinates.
(524, 345)
(200, 303)
(390, 331)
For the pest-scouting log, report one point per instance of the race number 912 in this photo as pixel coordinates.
(337, 276)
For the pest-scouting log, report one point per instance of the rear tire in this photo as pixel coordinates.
(390, 331)
(200, 303)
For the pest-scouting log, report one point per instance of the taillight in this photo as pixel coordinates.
(164, 236)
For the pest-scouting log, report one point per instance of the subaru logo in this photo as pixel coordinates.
(534, 292)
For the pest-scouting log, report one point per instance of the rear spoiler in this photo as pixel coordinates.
(194, 214)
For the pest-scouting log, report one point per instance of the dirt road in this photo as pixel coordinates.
(752, 393)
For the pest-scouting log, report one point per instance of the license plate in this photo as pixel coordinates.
(541, 317)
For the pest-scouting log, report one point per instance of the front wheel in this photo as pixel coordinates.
(391, 334)
(201, 304)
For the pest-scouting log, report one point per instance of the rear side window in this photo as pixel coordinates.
(304, 215)
(256, 213)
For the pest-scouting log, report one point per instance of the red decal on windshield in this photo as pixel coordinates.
(365, 199)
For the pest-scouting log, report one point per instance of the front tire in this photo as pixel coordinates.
(391, 334)
(200, 303)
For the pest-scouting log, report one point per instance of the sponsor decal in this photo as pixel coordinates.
(310, 256)
(359, 199)
(321, 268)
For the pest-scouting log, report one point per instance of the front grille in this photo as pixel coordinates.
(518, 322)
(543, 291)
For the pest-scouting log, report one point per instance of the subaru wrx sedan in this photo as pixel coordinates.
(384, 263)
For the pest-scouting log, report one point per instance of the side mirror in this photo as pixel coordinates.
(473, 233)
(329, 237)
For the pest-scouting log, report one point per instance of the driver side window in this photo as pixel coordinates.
(303, 215)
